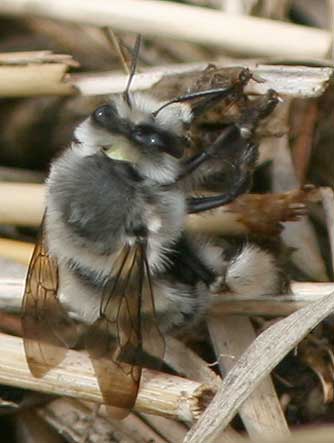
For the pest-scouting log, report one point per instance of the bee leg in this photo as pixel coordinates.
(209, 98)
(225, 142)
(236, 136)
(261, 108)
(242, 184)
(201, 204)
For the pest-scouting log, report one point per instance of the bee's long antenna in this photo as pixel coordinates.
(192, 96)
(133, 69)
(210, 96)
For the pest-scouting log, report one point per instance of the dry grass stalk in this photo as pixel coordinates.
(187, 363)
(137, 427)
(45, 75)
(27, 208)
(34, 80)
(256, 363)
(330, 6)
(160, 394)
(302, 148)
(22, 204)
(300, 236)
(32, 57)
(11, 293)
(17, 251)
(294, 81)
(303, 294)
(80, 422)
(166, 19)
(328, 203)
(261, 412)
(8, 174)
(190, 365)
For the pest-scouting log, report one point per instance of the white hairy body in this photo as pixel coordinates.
(160, 209)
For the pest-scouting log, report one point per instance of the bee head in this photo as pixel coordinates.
(131, 131)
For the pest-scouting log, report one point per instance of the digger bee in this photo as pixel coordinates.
(114, 256)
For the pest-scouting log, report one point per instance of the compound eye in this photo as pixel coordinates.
(145, 135)
(105, 116)
(153, 139)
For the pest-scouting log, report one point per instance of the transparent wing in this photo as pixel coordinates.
(125, 337)
(48, 331)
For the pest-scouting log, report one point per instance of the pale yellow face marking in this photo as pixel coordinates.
(116, 153)
(121, 149)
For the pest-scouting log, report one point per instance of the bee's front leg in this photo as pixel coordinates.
(241, 184)
(236, 139)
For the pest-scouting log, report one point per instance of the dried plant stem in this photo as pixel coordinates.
(256, 363)
(136, 426)
(189, 364)
(300, 236)
(302, 148)
(167, 19)
(261, 411)
(22, 204)
(115, 42)
(328, 203)
(77, 420)
(303, 294)
(34, 80)
(18, 79)
(330, 5)
(294, 81)
(160, 394)
(9, 174)
(16, 250)
(32, 57)
(11, 293)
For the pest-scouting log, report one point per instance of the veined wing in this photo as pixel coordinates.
(125, 337)
(48, 331)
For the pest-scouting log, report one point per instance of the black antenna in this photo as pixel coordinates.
(192, 96)
(212, 95)
(133, 69)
